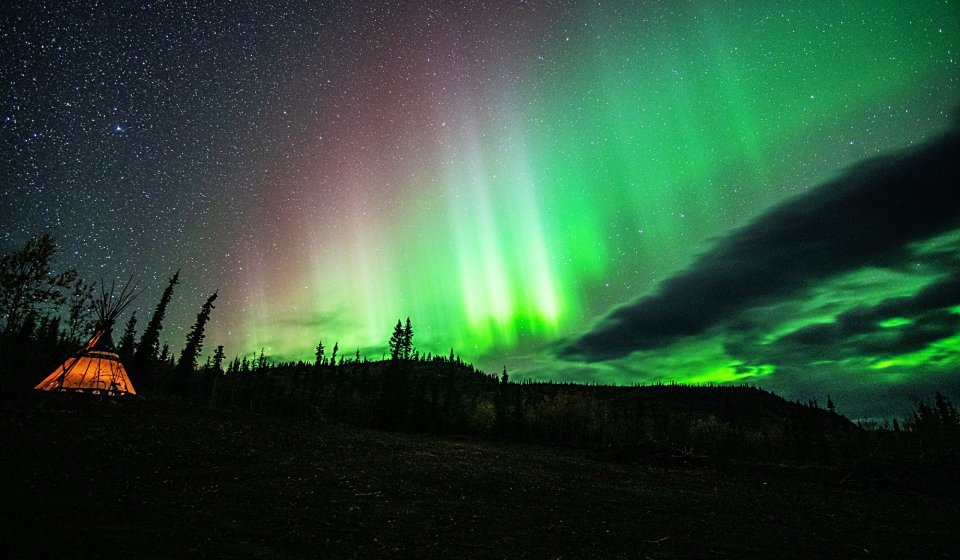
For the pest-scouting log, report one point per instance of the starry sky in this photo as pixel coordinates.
(602, 192)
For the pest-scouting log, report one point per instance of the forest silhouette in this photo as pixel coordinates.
(47, 316)
(424, 455)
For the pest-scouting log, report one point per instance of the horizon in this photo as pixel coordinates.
(560, 190)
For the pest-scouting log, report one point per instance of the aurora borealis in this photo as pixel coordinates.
(505, 174)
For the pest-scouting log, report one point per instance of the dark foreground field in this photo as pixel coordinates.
(162, 481)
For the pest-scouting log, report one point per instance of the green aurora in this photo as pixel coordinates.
(612, 154)
(506, 175)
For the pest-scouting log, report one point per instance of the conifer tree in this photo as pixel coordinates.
(320, 354)
(396, 341)
(504, 377)
(946, 410)
(407, 345)
(333, 353)
(127, 344)
(165, 353)
(194, 342)
(218, 360)
(150, 340)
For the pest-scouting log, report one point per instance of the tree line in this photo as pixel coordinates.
(45, 315)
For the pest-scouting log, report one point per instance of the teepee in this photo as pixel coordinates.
(97, 368)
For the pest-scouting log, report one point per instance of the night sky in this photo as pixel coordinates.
(604, 192)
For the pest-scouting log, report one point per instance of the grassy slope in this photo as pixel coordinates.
(160, 481)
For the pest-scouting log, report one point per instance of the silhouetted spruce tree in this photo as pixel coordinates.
(150, 340)
(194, 344)
(407, 341)
(830, 406)
(165, 356)
(218, 360)
(127, 344)
(936, 427)
(333, 353)
(504, 377)
(320, 354)
(396, 341)
(946, 410)
(213, 374)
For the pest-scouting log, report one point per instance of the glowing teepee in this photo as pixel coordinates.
(97, 368)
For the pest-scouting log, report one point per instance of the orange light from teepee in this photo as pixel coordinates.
(95, 370)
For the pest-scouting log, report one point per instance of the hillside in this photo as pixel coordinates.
(154, 479)
(446, 396)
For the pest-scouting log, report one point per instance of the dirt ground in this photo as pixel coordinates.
(157, 480)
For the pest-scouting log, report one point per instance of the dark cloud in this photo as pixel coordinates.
(939, 295)
(867, 217)
(844, 339)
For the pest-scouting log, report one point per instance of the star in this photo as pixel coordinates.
(398, 160)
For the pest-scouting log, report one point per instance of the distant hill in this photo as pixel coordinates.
(446, 396)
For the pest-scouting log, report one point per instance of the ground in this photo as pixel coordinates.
(160, 480)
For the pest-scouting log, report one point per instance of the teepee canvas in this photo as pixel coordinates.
(97, 368)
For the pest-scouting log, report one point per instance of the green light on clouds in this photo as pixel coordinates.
(581, 179)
